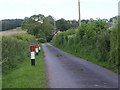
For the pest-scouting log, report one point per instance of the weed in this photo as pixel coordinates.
(59, 55)
(80, 69)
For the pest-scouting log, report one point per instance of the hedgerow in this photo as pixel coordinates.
(92, 41)
(14, 50)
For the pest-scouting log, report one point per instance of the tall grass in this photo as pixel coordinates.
(14, 50)
(27, 76)
(93, 41)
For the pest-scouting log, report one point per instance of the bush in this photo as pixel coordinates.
(14, 50)
(26, 38)
(113, 44)
(42, 40)
(103, 46)
(94, 41)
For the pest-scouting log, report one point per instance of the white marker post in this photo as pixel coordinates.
(39, 46)
(32, 49)
(36, 49)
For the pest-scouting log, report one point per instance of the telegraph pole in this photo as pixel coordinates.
(118, 36)
(54, 25)
(79, 12)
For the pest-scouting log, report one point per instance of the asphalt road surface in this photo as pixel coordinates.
(67, 71)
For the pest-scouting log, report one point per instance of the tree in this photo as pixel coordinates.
(62, 25)
(8, 24)
(39, 25)
(99, 26)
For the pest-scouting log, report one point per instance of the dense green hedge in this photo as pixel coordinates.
(42, 40)
(14, 50)
(92, 41)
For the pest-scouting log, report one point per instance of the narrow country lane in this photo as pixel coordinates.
(67, 71)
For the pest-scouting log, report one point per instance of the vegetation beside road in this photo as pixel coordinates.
(17, 71)
(27, 76)
(93, 41)
(15, 49)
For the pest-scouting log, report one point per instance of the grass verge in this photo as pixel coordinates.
(27, 76)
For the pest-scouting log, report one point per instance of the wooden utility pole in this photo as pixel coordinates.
(119, 8)
(54, 25)
(79, 12)
(118, 36)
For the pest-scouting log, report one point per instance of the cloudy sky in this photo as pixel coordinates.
(68, 9)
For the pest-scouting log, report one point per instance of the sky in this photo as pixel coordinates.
(67, 9)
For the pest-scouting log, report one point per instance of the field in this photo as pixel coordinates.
(12, 32)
